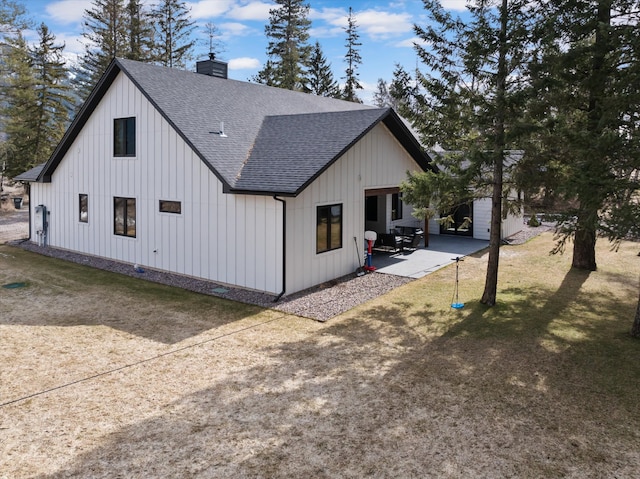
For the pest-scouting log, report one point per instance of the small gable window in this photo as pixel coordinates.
(124, 216)
(328, 228)
(124, 136)
(170, 207)
(84, 208)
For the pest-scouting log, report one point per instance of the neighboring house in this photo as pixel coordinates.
(479, 210)
(235, 182)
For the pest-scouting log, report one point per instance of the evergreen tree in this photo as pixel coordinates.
(266, 76)
(586, 108)
(105, 28)
(474, 100)
(381, 96)
(19, 108)
(173, 41)
(12, 18)
(402, 92)
(12, 23)
(353, 59)
(287, 50)
(139, 32)
(320, 77)
(52, 95)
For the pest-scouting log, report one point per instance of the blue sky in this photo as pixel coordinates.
(385, 28)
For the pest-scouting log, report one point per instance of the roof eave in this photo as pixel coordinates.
(397, 127)
(79, 121)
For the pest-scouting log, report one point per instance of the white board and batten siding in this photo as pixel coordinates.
(231, 239)
(376, 161)
(482, 221)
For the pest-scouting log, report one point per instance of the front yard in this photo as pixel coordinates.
(103, 375)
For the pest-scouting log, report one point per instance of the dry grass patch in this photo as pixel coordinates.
(545, 384)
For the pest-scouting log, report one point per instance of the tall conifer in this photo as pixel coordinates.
(52, 94)
(473, 100)
(320, 79)
(19, 108)
(287, 50)
(173, 41)
(353, 60)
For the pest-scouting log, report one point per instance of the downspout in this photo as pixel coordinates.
(284, 247)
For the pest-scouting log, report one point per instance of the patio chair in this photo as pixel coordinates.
(411, 242)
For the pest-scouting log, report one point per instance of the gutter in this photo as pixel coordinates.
(284, 247)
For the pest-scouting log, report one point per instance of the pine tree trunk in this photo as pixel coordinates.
(584, 249)
(491, 282)
(590, 195)
(635, 329)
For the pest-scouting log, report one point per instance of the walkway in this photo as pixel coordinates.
(442, 251)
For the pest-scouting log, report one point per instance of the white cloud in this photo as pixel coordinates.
(382, 24)
(209, 8)
(454, 4)
(335, 16)
(374, 23)
(252, 11)
(234, 29)
(68, 11)
(410, 42)
(326, 32)
(244, 63)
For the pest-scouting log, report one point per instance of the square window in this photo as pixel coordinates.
(124, 136)
(170, 207)
(124, 216)
(328, 228)
(84, 208)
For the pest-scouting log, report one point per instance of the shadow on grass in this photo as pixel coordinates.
(71, 294)
(372, 396)
(385, 392)
(528, 310)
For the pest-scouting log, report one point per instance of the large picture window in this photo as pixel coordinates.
(124, 216)
(328, 228)
(84, 208)
(124, 136)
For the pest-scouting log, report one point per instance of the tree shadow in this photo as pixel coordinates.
(531, 312)
(372, 395)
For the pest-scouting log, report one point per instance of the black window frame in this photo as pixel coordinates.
(125, 216)
(165, 203)
(124, 137)
(85, 210)
(396, 206)
(325, 212)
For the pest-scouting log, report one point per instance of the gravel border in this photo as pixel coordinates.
(321, 302)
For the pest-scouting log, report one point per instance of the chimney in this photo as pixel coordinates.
(212, 67)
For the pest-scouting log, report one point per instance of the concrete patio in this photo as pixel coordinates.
(442, 250)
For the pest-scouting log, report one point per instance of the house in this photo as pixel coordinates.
(479, 211)
(235, 182)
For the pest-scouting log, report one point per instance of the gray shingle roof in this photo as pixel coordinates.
(268, 147)
(30, 175)
(311, 142)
